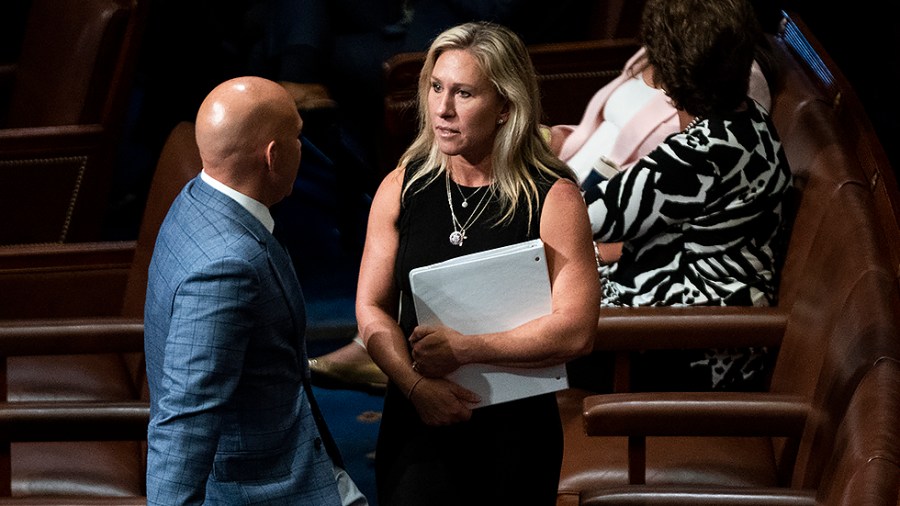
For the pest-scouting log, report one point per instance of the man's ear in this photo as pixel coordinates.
(270, 155)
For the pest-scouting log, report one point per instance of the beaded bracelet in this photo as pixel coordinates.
(597, 255)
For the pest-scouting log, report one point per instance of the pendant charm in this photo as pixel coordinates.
(456, 238)
(465, 204)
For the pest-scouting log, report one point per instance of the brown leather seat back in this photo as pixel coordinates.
(64, 117)
(864, 467)
(828, 276)
(179, 162)
(805, 117)
(70, 61)
(866, 331)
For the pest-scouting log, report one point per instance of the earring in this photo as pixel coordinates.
(501, 121)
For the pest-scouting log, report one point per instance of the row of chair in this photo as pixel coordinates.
(76, 403)
(70, 310)
(825, 431)
(63, 107)
(70, 424)
(75, 410)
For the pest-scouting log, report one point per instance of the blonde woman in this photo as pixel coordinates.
(478, 176)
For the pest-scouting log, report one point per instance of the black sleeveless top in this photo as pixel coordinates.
(426, 224)
(507, 453)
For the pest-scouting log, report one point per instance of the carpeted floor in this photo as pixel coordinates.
(353, 417)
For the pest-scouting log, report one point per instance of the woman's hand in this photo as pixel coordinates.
(442, 402)
(433, 350)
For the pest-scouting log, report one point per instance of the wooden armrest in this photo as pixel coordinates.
(647, 328)
(639, 415)
(52, 139)
(648, 495)
(71, 336)
(74, 421)
(63, 256)
(694, 414)
(53, 280)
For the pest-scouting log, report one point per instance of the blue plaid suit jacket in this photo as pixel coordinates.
(230, 419)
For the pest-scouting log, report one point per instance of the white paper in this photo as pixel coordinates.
(490, 291)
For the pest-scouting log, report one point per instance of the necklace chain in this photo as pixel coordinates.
(465, 202)
(459, 230)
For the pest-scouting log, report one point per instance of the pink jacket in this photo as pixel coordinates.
(647, 129)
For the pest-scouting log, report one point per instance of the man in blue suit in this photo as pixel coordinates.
(233, 419)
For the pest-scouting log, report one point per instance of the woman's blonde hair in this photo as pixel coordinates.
(503, 58)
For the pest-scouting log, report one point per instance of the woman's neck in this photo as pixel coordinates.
(684, 118)
(466, 174)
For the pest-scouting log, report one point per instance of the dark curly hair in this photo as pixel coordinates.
(701, 51)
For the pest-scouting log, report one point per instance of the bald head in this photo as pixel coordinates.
(241, 125)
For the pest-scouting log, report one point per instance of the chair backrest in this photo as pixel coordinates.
(179, 162)
(864, 468)
(843, 298)
(805, 117)
(54, 183)
(864, 331)
(64, 117)
(76, 63)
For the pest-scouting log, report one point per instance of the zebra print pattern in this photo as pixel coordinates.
(699, 218)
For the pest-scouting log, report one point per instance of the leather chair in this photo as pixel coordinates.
(91, 366)
(844, 318)
(68, 95)
(861, 465)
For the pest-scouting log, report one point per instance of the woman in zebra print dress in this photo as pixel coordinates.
(700, 215)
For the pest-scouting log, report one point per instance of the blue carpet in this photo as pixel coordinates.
(353, 418)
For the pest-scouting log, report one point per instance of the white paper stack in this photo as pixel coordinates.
(490, 291)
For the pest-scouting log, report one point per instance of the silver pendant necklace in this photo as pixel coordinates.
(459, 230)
(465, 202)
